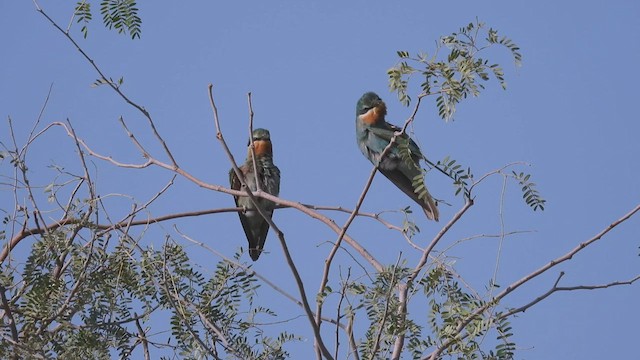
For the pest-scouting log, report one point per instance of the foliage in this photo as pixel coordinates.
(450, 305)
(457, 74)
(87, 286)
(85, 290)
(458, 174)
(83, 13)
(529, 193)
(380, 303)
(453, 77)
(123, 15)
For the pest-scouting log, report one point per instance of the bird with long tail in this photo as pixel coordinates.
(268, 178)
(374, 134)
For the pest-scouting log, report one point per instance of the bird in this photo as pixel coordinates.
(268, 177)
(373, 134)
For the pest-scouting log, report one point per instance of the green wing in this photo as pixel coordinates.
(235, 183)
(387, 134)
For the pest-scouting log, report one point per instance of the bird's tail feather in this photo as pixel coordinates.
(430, 208)
(403, 183)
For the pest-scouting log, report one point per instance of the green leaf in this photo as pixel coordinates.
(456, 72)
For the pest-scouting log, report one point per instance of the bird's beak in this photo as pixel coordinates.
(381, 108)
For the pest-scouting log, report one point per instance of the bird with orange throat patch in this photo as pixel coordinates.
(373, 134)
(268, 176)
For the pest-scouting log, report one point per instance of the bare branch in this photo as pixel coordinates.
(21, 169)
(8, 313)
(494, 172)
(345, 227)
(556, 288)
(272, 225)
(282, 202)
(252, 148)
(343, 294)
(336, 245)
(401, 310)
(179, 305)
(143, 340)
(112, 85)
(251, 271)
(375, 216)
(398, 345)
(31, 138)
(529, 277)
(436, 239)
(99, 156)
(352, 340)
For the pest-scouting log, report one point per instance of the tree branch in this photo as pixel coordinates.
(343, 231)
(143, 340)
(112, 85)
(8, 313)
(272, 225)
(529, 277)
(556, 288)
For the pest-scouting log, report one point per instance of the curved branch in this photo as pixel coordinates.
(111, 84)
(143, 339)
(556, 288)
(404, 288)
(251, 271)
(279, 233)
(343, 231)
(8, 313)
(306, 209)
(529, 277)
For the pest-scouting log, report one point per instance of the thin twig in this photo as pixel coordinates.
(143, 340)
(113, 86)
(434, 355)
(556, 288)
(252, 148)
(437, 238)
(343, 294)
(376, 343)
(31, 138)
(403, 288)
(375, 216)
(91, 207)
(282, 202)
(272, 225)
(8, 313)
(251, 271)
(365, 190)
(352, 339)
(494, 172)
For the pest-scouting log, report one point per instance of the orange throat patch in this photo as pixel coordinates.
(374, 114)
(262, 147)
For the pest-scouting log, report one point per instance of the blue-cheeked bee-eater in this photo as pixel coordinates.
(268, 176)
(374, 134)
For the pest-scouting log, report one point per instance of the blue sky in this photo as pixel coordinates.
(570, 111)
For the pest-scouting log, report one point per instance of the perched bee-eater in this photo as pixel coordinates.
(268, 176)
(374, 134)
